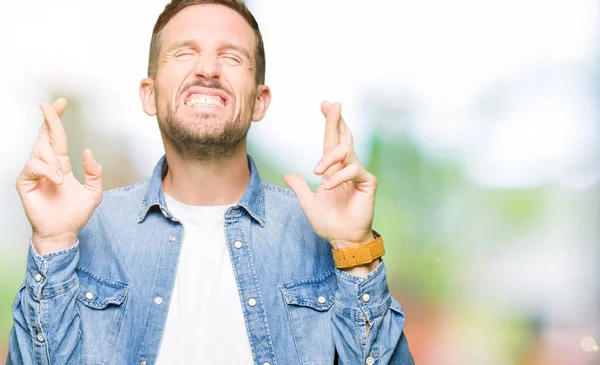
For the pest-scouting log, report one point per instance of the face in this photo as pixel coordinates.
(204, 94)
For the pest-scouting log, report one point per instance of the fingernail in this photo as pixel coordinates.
(59, 174)
(318, 167)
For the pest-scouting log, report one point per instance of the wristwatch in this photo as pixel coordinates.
(364, 254)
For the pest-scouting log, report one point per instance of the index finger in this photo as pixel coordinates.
(58, 138)
(332, 132)
(59, 105)
(345, 133)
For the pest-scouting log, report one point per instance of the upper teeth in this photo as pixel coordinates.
(200, 100)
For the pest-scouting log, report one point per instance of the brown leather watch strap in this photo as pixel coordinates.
(361, 255)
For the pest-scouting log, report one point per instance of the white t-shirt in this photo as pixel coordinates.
(205, 323)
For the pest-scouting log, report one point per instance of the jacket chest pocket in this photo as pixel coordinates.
(101, 306)
(309, 305)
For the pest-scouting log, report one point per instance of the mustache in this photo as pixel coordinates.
(207, 84)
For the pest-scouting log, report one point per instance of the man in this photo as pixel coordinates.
(203, 263)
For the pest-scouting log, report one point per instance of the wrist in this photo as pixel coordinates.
(363, 270)
(48, 244)
(359, 259)
(340, 244)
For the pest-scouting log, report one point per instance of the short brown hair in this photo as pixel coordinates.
(175, 6)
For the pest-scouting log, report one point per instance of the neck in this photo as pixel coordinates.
(220, 182)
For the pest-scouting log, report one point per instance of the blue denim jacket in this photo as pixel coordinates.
(105, 300)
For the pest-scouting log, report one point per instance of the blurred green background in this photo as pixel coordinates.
(479, 119)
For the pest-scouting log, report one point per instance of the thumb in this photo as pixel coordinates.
(300, 187)
(93, 173)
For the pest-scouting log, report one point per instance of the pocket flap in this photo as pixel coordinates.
(96, 292)
(318, 293)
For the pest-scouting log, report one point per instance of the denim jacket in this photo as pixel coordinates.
(105, 300)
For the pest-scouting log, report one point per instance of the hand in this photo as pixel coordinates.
(341, 210)
(56, 204)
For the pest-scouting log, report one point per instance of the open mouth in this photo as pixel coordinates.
(197, 100)
(205, 97)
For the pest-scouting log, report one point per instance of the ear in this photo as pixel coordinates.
(148, 96)
(261, 104)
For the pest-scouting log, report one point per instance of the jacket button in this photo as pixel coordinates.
(143, 363)
(38, 277)
(370, 360)
(366, 297)
(252, 302)
(158, 300)
(171, 238)
(89, 296)
(322, 300)
(237, 244)
(41, 337)
(267, 363)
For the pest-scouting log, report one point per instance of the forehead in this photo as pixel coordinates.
(208, 24)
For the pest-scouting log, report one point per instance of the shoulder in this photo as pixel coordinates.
(126, 195)
(277, 196)
(120, 204)
(282, 206)
(296, 241)
(139, 187)
(273, 189)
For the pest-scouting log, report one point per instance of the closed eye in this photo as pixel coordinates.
(185, 54)
(231, 59)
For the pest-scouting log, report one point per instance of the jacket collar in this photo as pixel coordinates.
(253, 200)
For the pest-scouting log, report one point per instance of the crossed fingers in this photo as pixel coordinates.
(339, 163)
(51, 145)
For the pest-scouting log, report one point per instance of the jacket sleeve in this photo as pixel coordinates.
(46, 323)
(362, 301)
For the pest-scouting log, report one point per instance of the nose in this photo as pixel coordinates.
(207, 67)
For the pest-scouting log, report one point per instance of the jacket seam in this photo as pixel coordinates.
(259, 294)
(287, 312)
(308, 280)
(127, 188)
(277, 189)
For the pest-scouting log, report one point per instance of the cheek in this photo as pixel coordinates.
(245, 91)
(165, 97)
(239, 77)
(173, 75)
(245, 101)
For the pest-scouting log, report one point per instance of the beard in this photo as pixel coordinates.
(203, 137)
